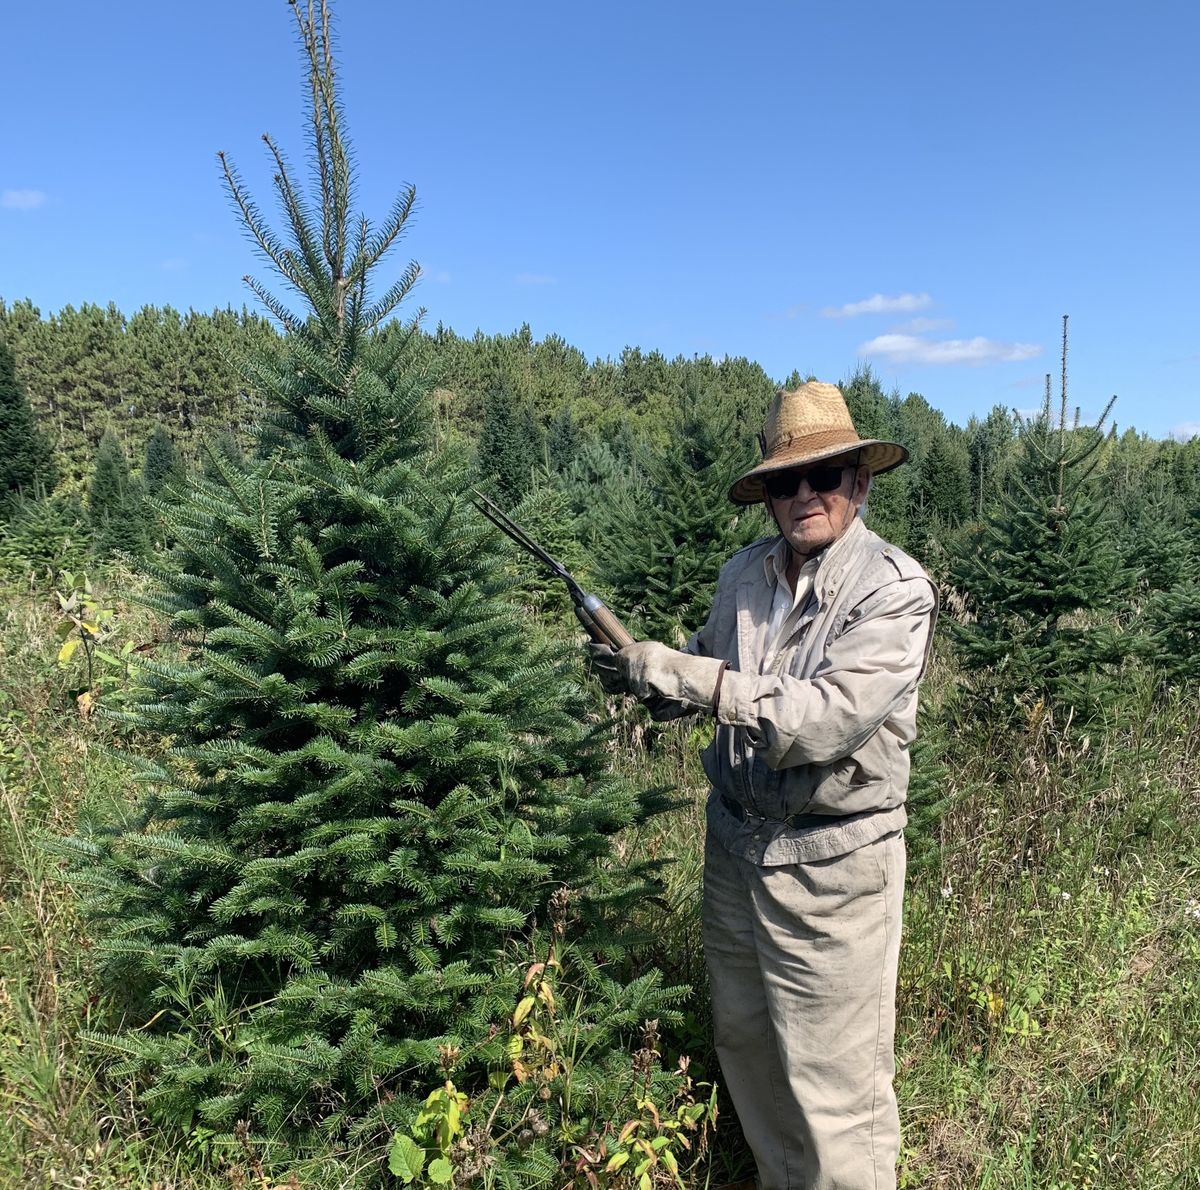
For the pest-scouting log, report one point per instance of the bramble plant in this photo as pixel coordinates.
(89, 623)
(545, 1117)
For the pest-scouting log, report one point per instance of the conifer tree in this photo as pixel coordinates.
(1173, 624)
(665, 541)
(1168, 561)
(47, 535)
(563, 439)
(219, 451)
(26, 462)
(377, 777)
(1041, 575)
(116, 512)
(162, 465)
(510, 446)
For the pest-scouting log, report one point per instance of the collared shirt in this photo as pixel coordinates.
(818, 720)
(785, 600)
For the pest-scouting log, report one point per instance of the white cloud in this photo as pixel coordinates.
(174, 264)
(438, 276)
(22, 200)
(912, 349)
(535, 279)
(902, 303)
(1186, 430)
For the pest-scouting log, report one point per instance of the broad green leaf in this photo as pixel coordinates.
(68, 650)
(441, 1171)
(406, 1158)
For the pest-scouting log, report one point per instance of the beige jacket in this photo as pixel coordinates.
(821, 724)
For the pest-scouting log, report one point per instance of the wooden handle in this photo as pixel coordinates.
(611, 628)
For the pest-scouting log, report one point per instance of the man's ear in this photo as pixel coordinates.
(862, 485)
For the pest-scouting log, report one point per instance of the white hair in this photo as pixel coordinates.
(862, 508)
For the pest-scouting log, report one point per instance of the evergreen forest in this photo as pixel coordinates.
(325, 862)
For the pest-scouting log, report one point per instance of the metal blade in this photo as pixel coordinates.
(512, 530)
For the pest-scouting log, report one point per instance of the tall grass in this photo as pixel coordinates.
(1050, 978)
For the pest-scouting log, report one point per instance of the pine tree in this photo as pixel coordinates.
(1173, 632)
(162, 465)
(45, 535)
(219, 451)
(1169, 563)
(26, 462)
(665, 541)
(940, 493)
(563, 439)
(116, 512)
(990, 444)
(377, 778)
(510, 446)
(1041, 576)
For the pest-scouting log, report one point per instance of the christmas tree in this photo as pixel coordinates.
(511, 446)
(115, 509)
(162, 465)
(26, 463)
(1170, 566)
(1041, 575)
(375, 776)
(664, 545)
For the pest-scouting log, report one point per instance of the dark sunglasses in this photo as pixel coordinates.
(783, 485)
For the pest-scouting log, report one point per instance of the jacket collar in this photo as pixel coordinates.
(831, 566)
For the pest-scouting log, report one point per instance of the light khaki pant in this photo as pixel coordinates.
(802, 962)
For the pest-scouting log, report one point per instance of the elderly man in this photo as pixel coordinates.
(809, 663)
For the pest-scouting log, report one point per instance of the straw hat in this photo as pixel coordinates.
(805, 426)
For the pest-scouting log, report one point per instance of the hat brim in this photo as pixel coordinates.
(876, 454)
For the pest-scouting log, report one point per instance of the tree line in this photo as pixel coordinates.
(531, 407)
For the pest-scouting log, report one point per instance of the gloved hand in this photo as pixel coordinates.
(604, 666)
(654, 673)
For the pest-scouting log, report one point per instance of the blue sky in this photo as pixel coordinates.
(926, 188)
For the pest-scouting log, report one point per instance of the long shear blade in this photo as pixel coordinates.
(511, 529)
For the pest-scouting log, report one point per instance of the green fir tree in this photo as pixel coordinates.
(664, 541)
(26, 462)
(222, 450)
(45, 535)
(377, 787)
(162, 466)
(510, 446)
(1043, 578)
(116, 513)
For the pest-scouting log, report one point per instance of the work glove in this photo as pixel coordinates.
(604, 666)
(669, 682)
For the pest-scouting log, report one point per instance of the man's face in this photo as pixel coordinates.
(811, 519)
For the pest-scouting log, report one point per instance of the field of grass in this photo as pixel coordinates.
(1050, 980)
